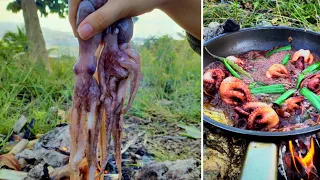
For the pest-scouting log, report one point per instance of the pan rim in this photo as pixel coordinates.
(260, 133)
(260, 28)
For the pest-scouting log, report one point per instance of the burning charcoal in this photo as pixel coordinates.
(230, 25)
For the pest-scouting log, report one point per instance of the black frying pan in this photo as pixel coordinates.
(261, 158)
(262, 38)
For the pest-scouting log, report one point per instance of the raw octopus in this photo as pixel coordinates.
(99, 99)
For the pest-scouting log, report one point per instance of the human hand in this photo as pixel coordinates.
(109, 13)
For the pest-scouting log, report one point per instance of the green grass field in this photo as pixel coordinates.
(169, 90)
(295, 13)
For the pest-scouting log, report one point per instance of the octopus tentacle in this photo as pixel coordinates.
(92, 127)
(306, 54)
(234, 91)
(314, 84)
(263, 115)
(134, 77)
(292, 103)
(250, 106)
(290, 106)
(277, 70)
(83, 101)
(232, 97)
(212, 79)
(258, 114)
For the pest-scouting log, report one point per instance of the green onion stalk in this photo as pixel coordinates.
(284, 96)
(230, 65)
(284, 48)
(312, 97)
(270, 89)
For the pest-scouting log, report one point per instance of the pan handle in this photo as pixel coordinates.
(261, 162)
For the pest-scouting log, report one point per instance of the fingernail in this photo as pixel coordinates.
(85, 31)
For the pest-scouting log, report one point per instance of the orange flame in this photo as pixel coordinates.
(307, 161)
(64, 149)
(99, 169)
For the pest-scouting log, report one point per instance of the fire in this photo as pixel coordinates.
(64, 149)
(99, 169)
(307, 161)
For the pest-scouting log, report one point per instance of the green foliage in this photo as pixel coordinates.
(26, 88)
(295, 13)
(191, 131)
(13, 43)
(170, 87)
(44, 6)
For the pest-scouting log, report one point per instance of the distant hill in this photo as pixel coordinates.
(52, 38)
(64, 42)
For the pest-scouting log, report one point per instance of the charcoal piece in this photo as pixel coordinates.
(230, 25)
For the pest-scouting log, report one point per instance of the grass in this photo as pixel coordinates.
(295, 13)
(169, 90)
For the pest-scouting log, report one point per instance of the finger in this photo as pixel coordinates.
(73, 8)
(99, 20)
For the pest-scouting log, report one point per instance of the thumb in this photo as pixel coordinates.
(99, 20)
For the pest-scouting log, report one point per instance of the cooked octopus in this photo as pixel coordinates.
(98, 101)
(253, 110)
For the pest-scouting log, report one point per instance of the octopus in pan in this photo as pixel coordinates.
(234, 91)
(277, 71)
(212, 79)
(98, 100)
(291, 106)
(301, 57)
(312, 82)
(257, 115)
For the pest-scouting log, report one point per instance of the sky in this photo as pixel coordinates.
(155, 23)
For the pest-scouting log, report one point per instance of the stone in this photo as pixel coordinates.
(58, 137)
(215, 28)
(178, 170)
(23, 163)
(26, 154)
(223, 154)
(54, 158)
(36, 172)
(18, 125)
